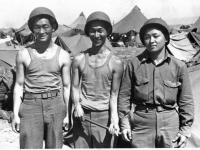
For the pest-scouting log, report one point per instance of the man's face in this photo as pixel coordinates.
(42, 29)
(154, 40)
(97, 34)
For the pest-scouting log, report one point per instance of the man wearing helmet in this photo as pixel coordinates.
(159, 87)
(97, 75)
(39, 109)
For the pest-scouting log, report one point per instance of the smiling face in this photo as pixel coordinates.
(97, 33)
(154, 40)
(42, 29)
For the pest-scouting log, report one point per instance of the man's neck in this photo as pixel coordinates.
(41, 47)
(158, 57)
(98, 50)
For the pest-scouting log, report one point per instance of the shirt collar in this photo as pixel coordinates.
(146, 56)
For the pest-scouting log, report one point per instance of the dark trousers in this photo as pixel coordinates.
(88, 135)
(41, 119)
(152, 129)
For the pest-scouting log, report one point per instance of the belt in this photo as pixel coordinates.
(44, 95)
(147, 107)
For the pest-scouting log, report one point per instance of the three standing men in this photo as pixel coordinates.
(95, 84)
(154, 81)
(159, 86)
(39, 108)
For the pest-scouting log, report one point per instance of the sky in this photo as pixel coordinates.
(14, 13)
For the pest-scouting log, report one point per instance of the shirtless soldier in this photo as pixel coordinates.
(39, 109)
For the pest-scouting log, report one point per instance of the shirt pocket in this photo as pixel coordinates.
(141, 90)
(171, 91)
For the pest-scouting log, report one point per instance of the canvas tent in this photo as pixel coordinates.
(181, 47)
(8, 31)
(8, 56)
(79, 23)
(133, 21)
(194, 37)
(74, 44)
(61, 29)
(72, 32)
(196, 24)
(77, 43)
(194, 75)
(24, 35)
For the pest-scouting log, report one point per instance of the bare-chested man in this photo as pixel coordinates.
(39, 109)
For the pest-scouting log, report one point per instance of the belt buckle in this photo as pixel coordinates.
(44, 95)
(159, 108)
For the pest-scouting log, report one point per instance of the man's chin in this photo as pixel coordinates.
(98, 44)
(43, 39)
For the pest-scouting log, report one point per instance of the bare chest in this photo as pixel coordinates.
(48, 54)
(98, 60)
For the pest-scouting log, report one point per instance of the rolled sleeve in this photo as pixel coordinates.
(125, 94)
(185, 103)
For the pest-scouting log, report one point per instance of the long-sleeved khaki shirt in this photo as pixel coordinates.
(165, 84)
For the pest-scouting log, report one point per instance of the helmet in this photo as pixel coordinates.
(158, 23)
(42, 12)
(98, 16)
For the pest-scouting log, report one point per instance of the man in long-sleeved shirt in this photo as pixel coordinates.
(158, 84)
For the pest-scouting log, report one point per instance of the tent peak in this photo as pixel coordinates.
(136, 7)
(81, 14)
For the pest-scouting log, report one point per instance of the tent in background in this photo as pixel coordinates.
(74, 44)
(196, 24)
(61, 29)
(181, 47)
(72, 32)
(77, 43)
(8, 56)
(24, 35)
(194, 75)
(79, 23)
(194, 37)
(24, 30)
(133, 21)
(8, 31)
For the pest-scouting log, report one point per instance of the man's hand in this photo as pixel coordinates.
(78, 112)
(126, 135)
(114, 129)
(15, 124)
(66, 123)
(181, 140)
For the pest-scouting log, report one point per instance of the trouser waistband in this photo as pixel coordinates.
(158, 108)
(43, 95)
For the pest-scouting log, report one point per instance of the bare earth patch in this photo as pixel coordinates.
(9, 139)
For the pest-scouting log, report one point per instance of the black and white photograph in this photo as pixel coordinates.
(99, 74)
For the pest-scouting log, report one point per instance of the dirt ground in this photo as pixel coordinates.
(10, 139)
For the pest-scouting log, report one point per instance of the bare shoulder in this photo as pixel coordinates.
(116, 61)
(79, 58)
(22, 55)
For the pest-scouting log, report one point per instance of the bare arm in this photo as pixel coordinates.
(18, 90)
(76, 74)
(117, 67)
(65, 62)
